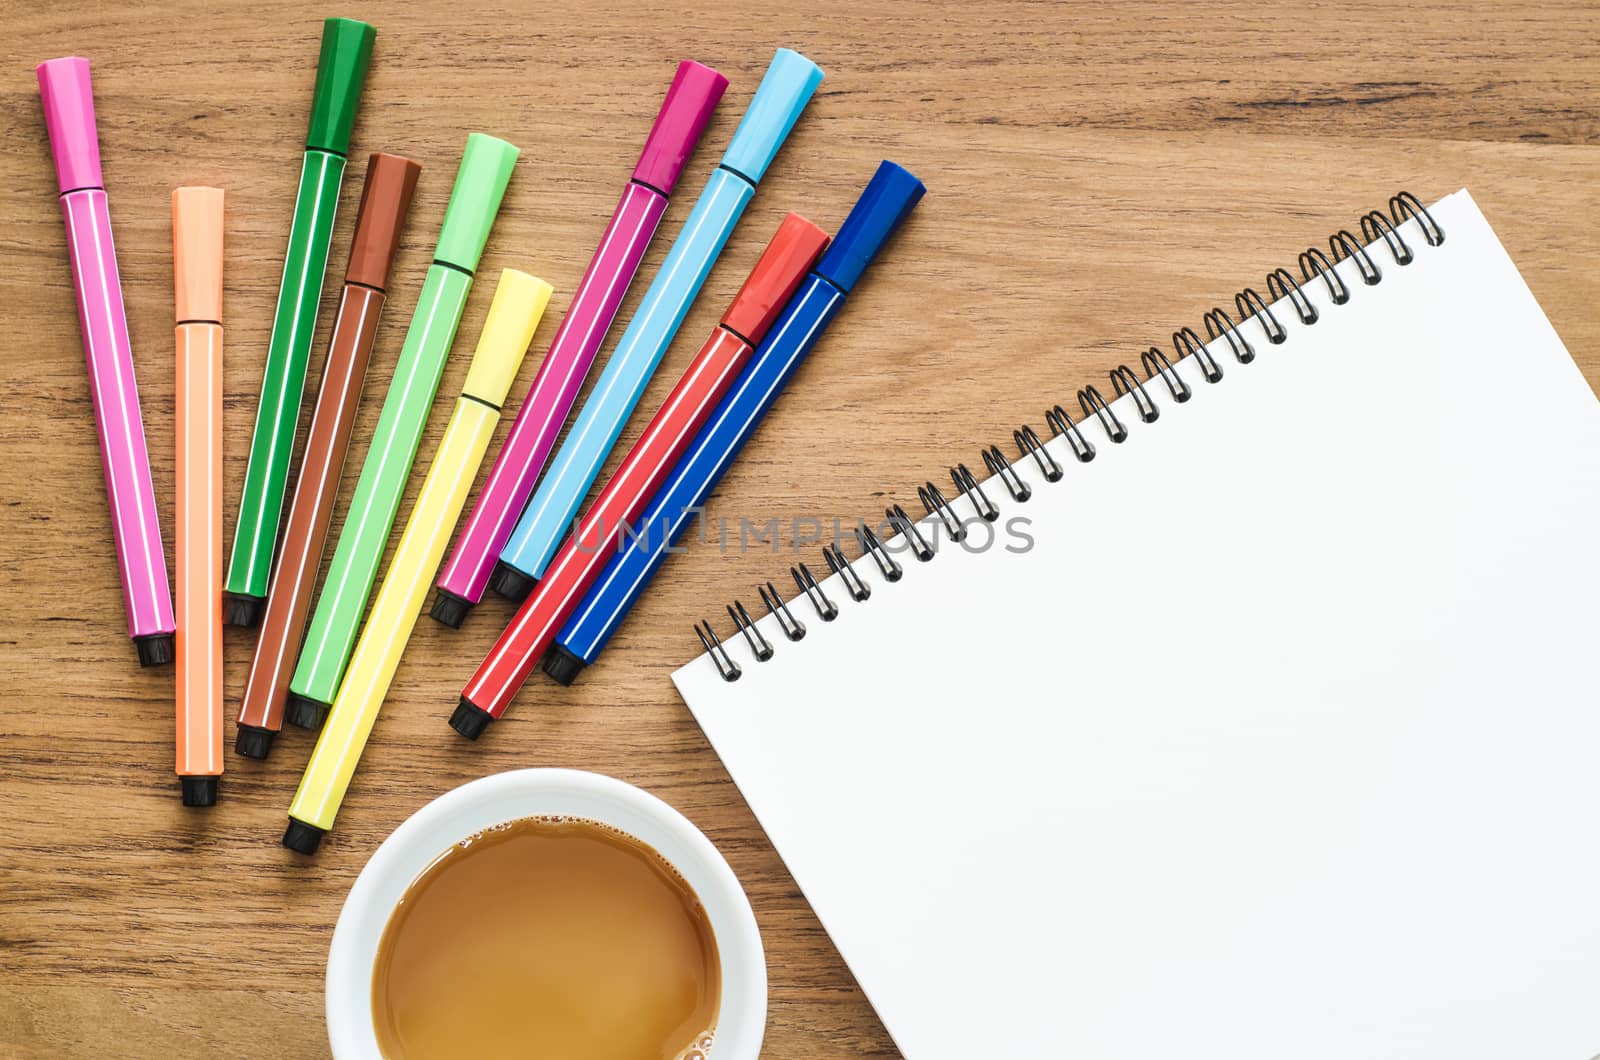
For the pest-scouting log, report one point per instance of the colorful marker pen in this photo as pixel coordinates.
(519, 302)
(887, 200)
(784, 92)
(385, 200)
(785, 262)
(197, 286)
(475, 200)
(69, 117)
(683, 117)
(341, 72)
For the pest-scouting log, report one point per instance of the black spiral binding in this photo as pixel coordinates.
(1315, 266)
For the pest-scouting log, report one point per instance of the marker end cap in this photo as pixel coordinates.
(562, 666)
(305, 713)
(341, 73)
(197, 253)
(511, 583)
(199, 791)
(475, 198)
(67, 93)
(694, 94)
(883, 205)
(450, 608)
(303, 838)
(241, 609)
(386, 195)
(514, 314)
(785, 89)
(157, 649)
(469, 720)
(253, 742)
(794, 248)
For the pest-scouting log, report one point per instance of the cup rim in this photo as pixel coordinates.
(457, 814)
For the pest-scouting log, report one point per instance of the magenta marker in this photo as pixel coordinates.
(683, 117)
(69, 118)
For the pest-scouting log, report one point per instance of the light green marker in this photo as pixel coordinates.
(480, 184)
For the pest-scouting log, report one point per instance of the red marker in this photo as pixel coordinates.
(793, 250)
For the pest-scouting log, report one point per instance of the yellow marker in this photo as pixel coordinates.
(519, 302)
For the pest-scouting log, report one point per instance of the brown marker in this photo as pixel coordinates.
(385, 199)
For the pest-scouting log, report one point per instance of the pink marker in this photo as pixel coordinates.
(69, 118)
(683, 117)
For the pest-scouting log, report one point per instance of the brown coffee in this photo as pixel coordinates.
(547, 937)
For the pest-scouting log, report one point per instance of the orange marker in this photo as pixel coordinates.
(197, 275)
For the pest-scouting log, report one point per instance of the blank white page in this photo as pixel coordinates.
(1282, 740)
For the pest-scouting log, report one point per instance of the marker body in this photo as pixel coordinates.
(376, 501)
(115, 393)
(67, 96)
(515, 470)
(199, 550)
(289, 601)
(786, 260)
(787, 87)
(394, 614)
(519, 302)
(690, 99)
(255, 534)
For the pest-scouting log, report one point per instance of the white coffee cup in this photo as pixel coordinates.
(455, 815)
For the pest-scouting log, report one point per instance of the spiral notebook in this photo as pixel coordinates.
(1282, 739)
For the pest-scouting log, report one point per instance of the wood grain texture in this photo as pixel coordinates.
(1098, 175)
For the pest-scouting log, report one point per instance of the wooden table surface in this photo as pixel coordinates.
(1097, 177)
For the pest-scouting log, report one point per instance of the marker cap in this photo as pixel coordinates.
(519, 302)
(793, 250)
(341, 72)
(684, 113)
(783, 93)
(197, 253)
(69, 118)
(385, 199)
(475, 200)
(888, 198)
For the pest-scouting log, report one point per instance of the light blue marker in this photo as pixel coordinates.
(782, 95)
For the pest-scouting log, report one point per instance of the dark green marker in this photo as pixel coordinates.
(341, 71)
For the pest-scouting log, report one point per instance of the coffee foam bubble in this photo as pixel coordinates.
(699, 1049)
